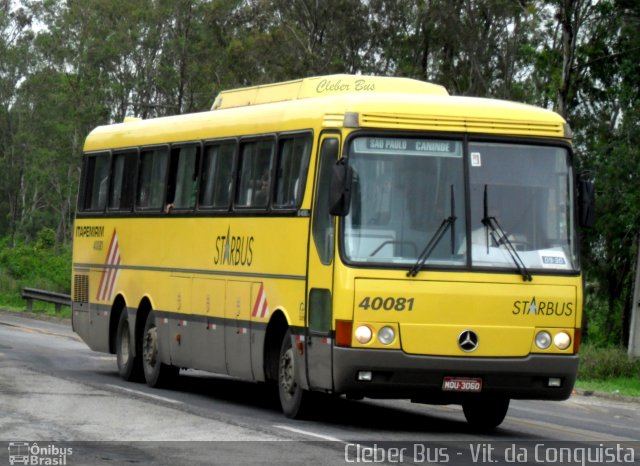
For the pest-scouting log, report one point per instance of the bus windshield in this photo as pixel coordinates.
(403, 190)
(409, 207)
(527, 190)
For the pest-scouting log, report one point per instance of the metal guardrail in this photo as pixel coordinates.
(32, 294)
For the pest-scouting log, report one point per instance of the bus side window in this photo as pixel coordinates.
(216, 179)
(123, 172)
(255, 174)
(293, 161)
(151, 179)
(182, 184)
(96, 182)
(323, 224)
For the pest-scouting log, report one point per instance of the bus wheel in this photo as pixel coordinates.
(156, 373)
(293, 399)
(129, 366)
(486, 414)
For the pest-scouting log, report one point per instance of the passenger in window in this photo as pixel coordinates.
(262, 193)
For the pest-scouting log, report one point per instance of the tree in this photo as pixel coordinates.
(16, 53)
(601, 99)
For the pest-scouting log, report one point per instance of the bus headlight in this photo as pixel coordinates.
(543, 339)
(562, 340)
(363, 334)
(386, 335)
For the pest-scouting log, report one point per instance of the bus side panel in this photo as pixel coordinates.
(181, 328)
(208, 334)
(163, 326)
(89, 319)
(80, 320)
(99, 327)
(237, 331)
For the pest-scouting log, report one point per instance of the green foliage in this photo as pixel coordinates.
(597, 317)
(606, 363)
(39, 264)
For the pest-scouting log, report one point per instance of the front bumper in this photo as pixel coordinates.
(396, 374)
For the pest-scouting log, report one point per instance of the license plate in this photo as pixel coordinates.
(461, 384)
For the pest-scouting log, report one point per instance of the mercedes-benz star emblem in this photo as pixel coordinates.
(468, 341)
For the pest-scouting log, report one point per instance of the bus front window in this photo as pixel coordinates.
(527, 190)
(403, 190)
(408, 205)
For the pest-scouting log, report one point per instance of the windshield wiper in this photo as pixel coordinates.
(501, 239)
(435, 239)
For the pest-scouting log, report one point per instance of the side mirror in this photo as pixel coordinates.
(586, 200)
(340, 194)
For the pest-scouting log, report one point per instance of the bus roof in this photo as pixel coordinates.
(322, 86)
(333, 102)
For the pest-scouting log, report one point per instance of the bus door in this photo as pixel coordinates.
(319, 337)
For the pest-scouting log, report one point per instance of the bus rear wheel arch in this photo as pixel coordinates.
(276, 330)
(128, 360)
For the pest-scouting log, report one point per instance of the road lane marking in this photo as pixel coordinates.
(104, 358)
(148, 395)
(306, 432)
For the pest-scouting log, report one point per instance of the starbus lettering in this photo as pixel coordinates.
(233, 250)
(542, 308)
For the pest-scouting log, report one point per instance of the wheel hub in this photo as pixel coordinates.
(149, 347)
(287, 373)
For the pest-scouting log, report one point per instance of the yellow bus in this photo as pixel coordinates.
(352, 235)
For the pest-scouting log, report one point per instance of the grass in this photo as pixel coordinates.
(626, 386)
(39, 309)
(38, 264)
(50, 310)
(606, 363)
(608, 370)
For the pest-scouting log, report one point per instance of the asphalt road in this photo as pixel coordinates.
(57, 393)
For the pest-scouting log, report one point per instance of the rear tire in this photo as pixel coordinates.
(293, 399)
(156, 373)
(129, 366)
(486, 414)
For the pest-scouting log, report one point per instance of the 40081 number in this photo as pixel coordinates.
(390, 303)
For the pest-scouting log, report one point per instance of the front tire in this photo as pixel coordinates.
(486, 414)
(156, 373)
(293, 399)
(129, 366)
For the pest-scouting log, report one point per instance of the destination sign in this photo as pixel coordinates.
(408, 146)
